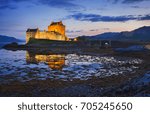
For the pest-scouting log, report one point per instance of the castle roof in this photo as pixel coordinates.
(57, 23)
(32, 30)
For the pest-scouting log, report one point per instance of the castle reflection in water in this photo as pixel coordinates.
(54, 61)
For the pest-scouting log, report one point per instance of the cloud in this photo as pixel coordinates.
(97, 18)
(133, 1)
(146, 17)
(72, 31)
(126, 1)
(66, 4)
(105, 28)
(8, 7)
(92, 30)
(113, 1)
(100, 18)
(69, 31)
(136, 7)
(10, 30)
(10, 4)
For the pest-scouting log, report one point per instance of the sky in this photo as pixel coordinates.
(81, 17)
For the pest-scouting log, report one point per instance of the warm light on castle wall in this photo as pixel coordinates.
(56, 31)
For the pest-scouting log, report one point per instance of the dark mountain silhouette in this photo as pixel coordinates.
(4, 39)
(103, 36)
(140, 34)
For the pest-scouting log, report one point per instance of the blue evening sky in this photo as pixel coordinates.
(81, 17)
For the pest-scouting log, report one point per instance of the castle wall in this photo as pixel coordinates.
(57, 28)
(40, 35)
(30, 35)
(49, 35)
(55, 36)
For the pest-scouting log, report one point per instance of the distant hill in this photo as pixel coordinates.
(140, 34)
(4, 39)
(107, 35)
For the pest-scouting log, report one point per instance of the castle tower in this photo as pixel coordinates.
(30, 33)
(57, 27)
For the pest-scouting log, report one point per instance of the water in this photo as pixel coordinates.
(25, 66)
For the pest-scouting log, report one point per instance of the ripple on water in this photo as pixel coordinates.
(13, 66)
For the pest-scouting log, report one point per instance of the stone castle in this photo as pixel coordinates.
(56, 31)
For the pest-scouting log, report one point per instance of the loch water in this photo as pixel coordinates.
(25, 66)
